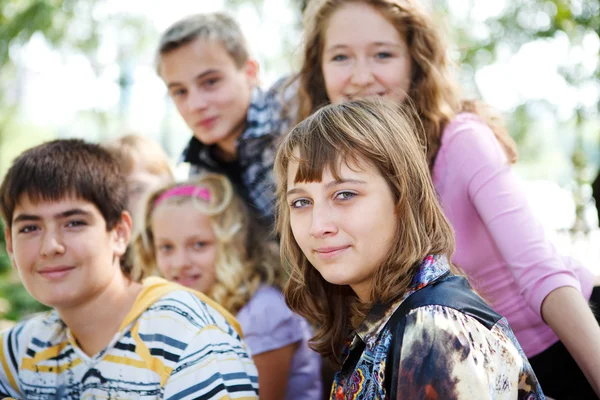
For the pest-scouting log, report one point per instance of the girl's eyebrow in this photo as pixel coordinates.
(393, 44)
(344, 46)
(329, 185)
(294, 191)
(344, 181)
(335, 47)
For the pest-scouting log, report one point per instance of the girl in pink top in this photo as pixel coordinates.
(392, 48)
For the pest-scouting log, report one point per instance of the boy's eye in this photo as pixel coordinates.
(339, 57)
(178, 92)
(28, 229)
(300, 203)
(345, 195)
(210, 82)
(75, 223)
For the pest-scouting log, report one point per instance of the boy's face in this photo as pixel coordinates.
(63, 252)
(210, 91)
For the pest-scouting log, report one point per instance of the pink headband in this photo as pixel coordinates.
(183, 191)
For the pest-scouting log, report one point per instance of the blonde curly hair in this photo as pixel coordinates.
(246, 257)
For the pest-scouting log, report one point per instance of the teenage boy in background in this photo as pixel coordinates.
(205, 63)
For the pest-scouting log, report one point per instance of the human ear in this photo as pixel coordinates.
(251, 69)
(9, 246)
(122, 233)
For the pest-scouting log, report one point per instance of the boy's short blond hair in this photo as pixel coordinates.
(133, 151)
(216, 26)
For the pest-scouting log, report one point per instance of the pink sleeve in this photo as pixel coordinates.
(495, 191)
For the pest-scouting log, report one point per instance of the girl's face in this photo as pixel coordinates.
(344, 227)
(185, 245)
(364, 55)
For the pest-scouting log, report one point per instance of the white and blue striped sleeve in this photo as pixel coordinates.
(214, 365)
(9, 366)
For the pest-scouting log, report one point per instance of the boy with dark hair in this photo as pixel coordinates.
(109, 335)
(205, 63)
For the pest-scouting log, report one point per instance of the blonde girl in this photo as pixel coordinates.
(201, 235)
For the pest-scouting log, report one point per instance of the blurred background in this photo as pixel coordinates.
(85, 68)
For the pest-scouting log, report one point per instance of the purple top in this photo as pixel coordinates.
(268, 324)
(499, 243)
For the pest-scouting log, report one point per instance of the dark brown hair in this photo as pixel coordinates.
(358, 132)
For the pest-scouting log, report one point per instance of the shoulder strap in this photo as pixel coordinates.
(448, 291)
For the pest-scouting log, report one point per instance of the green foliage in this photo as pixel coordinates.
(19, 20)
(21, 304)
(70, 26)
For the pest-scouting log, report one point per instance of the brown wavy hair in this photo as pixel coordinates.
(433, 89)
(357, 132)
(246, 258)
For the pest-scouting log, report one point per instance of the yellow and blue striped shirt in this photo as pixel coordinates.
(174, 344)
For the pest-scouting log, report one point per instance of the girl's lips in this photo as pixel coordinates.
(330, 252)
(188, 281)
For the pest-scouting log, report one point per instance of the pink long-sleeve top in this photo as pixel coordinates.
(500, 244)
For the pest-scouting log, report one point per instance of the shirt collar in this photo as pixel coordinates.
(430, 270)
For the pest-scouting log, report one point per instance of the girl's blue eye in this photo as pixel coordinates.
(200, 245)
(164, 248)
(345, 195)
(383, 55)
(300, 203)
(339, 57)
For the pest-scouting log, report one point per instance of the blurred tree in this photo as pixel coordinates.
(54, 20)
(19, 21)
(525, 21)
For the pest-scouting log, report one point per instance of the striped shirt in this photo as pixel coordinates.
(174, 344)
